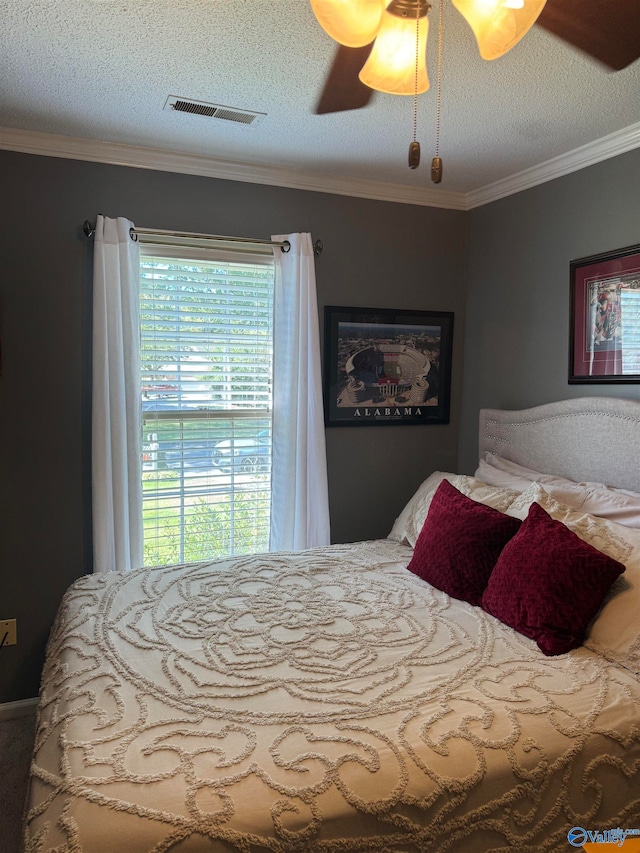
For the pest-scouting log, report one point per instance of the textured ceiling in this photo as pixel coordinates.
(103, 69)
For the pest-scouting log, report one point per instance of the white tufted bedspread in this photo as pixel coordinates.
(322, 701)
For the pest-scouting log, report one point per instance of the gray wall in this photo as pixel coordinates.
(517, 308)
(376, 254)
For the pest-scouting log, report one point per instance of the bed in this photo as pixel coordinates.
(333, 700)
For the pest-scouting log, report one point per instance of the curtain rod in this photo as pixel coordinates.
(135, 233)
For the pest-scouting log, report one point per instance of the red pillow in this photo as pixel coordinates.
(548, 584)
(460, 542)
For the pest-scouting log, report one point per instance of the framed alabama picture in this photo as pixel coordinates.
(387, 367)
(604, 335)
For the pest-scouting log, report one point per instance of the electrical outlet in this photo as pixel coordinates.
(8, 628)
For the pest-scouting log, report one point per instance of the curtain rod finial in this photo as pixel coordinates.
(88, 228)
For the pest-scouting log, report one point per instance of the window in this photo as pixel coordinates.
(206, 366)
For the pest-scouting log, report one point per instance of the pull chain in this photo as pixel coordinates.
(414, 147)
(436, 163)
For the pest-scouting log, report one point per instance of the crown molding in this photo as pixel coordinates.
(587, 155)
(113, 153)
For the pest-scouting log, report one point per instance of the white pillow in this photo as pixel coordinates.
(495, 476)
(590, 528)
(615, 631)
(619, 505)
(408, 524)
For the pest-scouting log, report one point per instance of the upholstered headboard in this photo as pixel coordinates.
(593, 439)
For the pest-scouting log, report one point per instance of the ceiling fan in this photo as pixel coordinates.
(607, 30)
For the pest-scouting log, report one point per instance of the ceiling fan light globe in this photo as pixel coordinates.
(352, 23)
(391, 66)
(498, 25)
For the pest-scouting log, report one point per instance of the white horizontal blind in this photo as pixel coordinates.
(206, 355)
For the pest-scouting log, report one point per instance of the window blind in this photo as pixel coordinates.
(206, 366)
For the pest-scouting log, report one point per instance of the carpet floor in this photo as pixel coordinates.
(16, 745)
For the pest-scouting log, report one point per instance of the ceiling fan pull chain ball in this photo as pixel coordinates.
(436, 163)
(414, 154)
(414, 147)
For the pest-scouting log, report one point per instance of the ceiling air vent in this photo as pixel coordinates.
(218, 111)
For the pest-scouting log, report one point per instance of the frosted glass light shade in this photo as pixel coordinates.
(352, 23)
(499, 24)
(391, 66)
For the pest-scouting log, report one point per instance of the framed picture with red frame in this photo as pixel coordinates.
(604, 329)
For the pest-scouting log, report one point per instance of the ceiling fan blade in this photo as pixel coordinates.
(608, 30)
(343, 89)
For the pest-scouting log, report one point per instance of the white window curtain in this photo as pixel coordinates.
(299, 488)
(116, 416)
